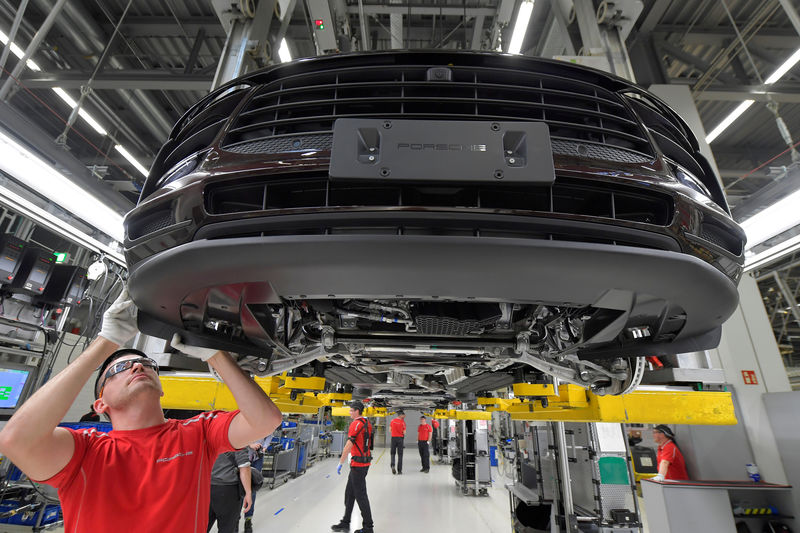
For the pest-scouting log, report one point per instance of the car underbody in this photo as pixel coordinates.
(314, 239)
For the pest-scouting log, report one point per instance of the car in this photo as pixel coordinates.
(434, 224)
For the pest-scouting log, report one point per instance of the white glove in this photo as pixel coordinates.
(119, 320)
(657, 477)
(204, 354)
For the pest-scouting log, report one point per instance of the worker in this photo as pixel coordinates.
(424, 432)
(149, 473)
(398, 429)
(437, 438)
(671, 465)
(230, 490)
(360, 443)
(256, 452)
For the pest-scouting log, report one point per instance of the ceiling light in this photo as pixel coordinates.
(741, 108)
(283, 52)
(56, 225)
(772, 254)
(132, 160)
(83, 113)
(17, 51)
(38, 175)
(773, 220)
(520, 26)
(783, 69)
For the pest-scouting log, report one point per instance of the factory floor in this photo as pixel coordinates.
(410, 502)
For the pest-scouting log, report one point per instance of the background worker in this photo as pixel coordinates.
(148, 474)
(398, 430)
(256, 452)
(424, 432)
(358, 444)
(230, 490)
(669, 457)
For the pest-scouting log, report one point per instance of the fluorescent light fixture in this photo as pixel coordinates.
(17, 51)
(741, 108)
(35, 173)
(774, 253)
(520, 26)
(783, 69)
(132, 160)
(775, 76)
(83, 114)
(51, 222)
(774, 220)
(283, 52)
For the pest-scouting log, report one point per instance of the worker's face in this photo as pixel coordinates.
(354, 413)
(123, 386)
(659, 437)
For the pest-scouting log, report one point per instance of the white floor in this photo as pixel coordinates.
(412, 502)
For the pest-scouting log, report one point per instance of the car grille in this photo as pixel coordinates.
(324, 142)
(565, 196)
(576, 111)
(722, 237)
(149, 223)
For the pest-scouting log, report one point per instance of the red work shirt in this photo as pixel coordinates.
(424, 432)
(398, 427)
(677, 467)
(152, 479)
(359, 431)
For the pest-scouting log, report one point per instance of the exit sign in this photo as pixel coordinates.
(749, 377)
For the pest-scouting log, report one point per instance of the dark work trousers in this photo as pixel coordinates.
(356, 491)
(397, 446)
(258, 464)
(226, 504)
(424, 454)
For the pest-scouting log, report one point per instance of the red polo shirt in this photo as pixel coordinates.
(677, 468)
(398, 427)
(424, 432)
(360, 428)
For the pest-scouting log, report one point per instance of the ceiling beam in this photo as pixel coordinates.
(403, 9)
(784, 93)
(717, 36)
(690, 59)
(122, 79)
(168, 27)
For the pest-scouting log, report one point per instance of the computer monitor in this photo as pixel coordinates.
(65, 286)
(11, 250)
(34, 271)
(16, 381)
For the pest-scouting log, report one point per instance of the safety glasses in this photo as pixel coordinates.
(122, 366)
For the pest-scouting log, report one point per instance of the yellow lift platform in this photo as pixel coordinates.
(570, 403)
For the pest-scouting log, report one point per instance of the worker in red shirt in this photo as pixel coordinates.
(669, 456)
(437, 439)
(424, 432)
(398, 429)
(149, 473)
(358, 446)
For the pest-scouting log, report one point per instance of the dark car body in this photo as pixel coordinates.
(290, 218)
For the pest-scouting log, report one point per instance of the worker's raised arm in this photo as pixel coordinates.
(258, 416)
(31, 439)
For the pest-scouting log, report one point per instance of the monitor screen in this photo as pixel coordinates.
(37, 276)
(12, 385)
(8, 261)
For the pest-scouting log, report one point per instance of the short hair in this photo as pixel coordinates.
(357, 405)
(400, 412)
(110, 359)
(423, 416)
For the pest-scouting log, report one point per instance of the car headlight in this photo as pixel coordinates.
(691, 182)
(181, 169)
